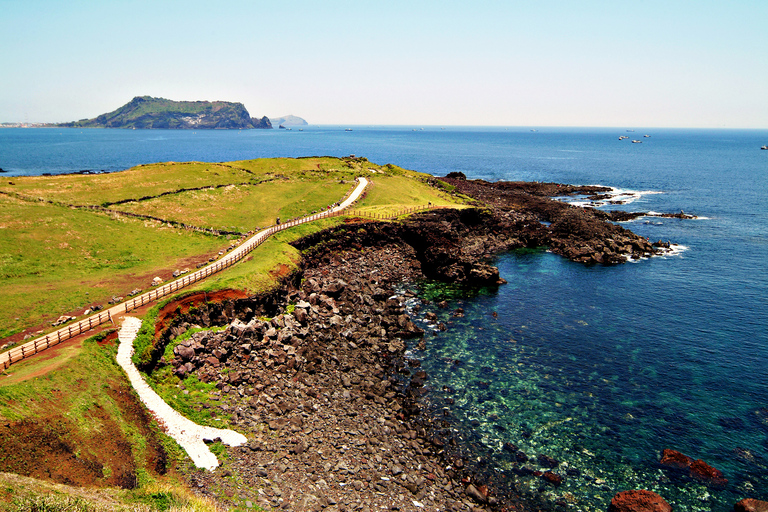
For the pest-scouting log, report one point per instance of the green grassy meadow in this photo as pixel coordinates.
(57, 257)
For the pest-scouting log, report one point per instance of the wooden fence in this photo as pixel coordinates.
(39, 344)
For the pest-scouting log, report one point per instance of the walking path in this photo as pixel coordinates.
(39, 344)
(188, 434)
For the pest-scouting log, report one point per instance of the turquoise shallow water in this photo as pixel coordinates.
(598, 367)
(593, 366)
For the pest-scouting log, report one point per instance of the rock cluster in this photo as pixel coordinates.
(529, 212)
(62, 320)
(696, 469)
(639, 501)
(323, 393)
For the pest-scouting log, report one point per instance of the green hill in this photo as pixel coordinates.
(148, 112)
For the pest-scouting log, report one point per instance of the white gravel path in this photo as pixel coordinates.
(188, 434)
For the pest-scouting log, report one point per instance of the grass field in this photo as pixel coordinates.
(56, 259)
(68, 426)
(243, 208)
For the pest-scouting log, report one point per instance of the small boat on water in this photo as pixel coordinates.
(764, 147)
(348, 130)
(622, 137)
(635, 141)
(646, 136)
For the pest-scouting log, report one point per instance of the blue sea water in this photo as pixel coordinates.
(599, 367)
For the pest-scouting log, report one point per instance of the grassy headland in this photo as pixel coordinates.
(71, 241)
(63, 410)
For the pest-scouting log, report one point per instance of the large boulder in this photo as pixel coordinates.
(639, 501)
(708, 475)
(696, 469)
(675, 460)
(751, 505)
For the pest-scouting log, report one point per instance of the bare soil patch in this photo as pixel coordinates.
(51, 447)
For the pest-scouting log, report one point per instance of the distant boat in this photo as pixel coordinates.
(764, 147)
(635, 141)
(622, 137)
(630, 130)
(646, 135)
(348, 130)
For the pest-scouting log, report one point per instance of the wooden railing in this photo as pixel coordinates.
(388, 215)
(30, 348)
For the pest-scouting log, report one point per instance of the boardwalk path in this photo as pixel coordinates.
(39, 344)
(188, 434)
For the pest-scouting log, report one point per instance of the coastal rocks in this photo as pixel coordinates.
(751, 505)
(584, 235)
(695, 469)
(62, 320)
(675, 460)
(322, 387)
(639, 501)
(708, 475)
(474, 493)
(322, 378)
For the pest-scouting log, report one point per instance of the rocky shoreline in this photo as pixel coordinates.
(316, 376)
(326, 397)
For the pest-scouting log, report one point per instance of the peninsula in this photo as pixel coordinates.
(159, 113)
(310, 347)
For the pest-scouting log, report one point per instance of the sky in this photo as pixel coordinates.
(488, 63)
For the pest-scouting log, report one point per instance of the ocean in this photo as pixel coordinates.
(598, 367)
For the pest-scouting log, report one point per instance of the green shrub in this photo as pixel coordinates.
(143, 345)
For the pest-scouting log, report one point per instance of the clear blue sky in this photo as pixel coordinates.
(529, 63)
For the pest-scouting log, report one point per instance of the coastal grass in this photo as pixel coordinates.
(274, 259)
(153, 180)
(394, 192)
(24, 494)
(83, 401)
(243, 208)
(76, 396)
(55, 260)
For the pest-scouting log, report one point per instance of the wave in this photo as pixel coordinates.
(613, 197)
(665, 252)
